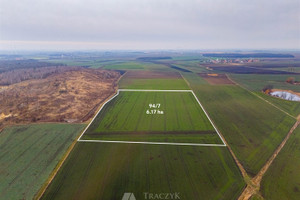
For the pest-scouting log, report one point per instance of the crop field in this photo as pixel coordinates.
(107, 171)
(153, 80)
(28, 155)
(252, 127)
(134, 66)
(154, 135)
(153, 116)
(194, 66)
(216, 79)
(291, 107)
(250, 70)
(258, 82)
(282, 180)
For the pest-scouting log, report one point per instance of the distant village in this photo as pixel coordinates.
(230, 60)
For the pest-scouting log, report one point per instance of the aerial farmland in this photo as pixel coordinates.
(164, 123)
(149, 100)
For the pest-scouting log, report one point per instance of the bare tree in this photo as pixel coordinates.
(290, 80)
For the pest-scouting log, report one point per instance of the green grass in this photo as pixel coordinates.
(29, 153)
(258, 82)
(287, 69)
(186, 58)
(107, 171)
(291, 107)
(194, 66)
(282, 180)
(196, 138)
(252, 127)
(125, 118)
(135, 66)
(125, 66)
(256, 197)
(165, 84)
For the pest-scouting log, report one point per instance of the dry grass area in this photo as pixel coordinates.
(69, 96)
(216, 79)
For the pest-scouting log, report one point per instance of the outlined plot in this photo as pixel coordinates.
(157, 117)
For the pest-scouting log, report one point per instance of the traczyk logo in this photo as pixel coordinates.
(161, 195)
(128, 196)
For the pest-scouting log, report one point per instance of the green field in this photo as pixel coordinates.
(28, 155)
(252, 127)
(291, 107)
(107, 171)
(126, 118)
(282, 180)
(127, 66)
(163, 84)
(135, 66)
(162, 141)
(194, 66)
(153, 79)
(256, 83)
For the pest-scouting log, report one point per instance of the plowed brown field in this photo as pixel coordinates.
(216, 79)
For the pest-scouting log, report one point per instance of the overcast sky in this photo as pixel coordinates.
(149, 24)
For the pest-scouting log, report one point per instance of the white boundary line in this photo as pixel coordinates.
(97, 114)
(140, 90)
(208, 118)
(157, 143)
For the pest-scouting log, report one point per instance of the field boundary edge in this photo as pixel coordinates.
(153, 143)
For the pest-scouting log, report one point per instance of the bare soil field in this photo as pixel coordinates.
(216, 79)
(69, 96)
(152, 75)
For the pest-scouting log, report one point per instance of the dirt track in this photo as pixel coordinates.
(254, 184)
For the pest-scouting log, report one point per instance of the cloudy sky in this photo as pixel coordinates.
(149, 24)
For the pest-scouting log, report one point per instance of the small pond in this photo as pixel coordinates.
(285, 95)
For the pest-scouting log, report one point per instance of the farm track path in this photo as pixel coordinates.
(253, 186)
